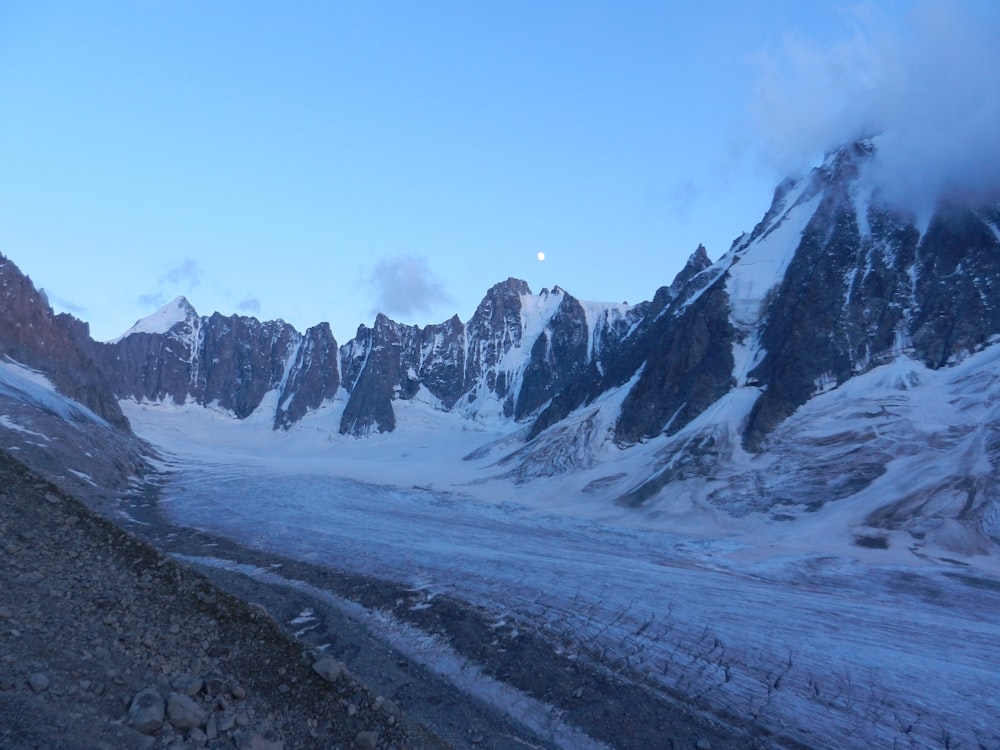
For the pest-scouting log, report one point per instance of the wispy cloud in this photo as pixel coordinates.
(178, 279)
(926, 86)
(186, 273)
(154, 299)
(250, 305)
(405, 285)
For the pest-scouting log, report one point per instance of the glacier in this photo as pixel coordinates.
(825, 625)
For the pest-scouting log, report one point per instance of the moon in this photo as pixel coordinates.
(541, 256)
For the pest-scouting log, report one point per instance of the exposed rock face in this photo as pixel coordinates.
(687, 369)
(246, 359)
(517, 352)
(232, 362)
(649, 338)
(441, 363)
(558, 356)
(483, 369)
(313, 376)
(863, 284)
(393, 361)
(156, 366)
(57, 345)
(804, 309)
(831, 283)
(493, 331)
(956, 305)
(373, 361)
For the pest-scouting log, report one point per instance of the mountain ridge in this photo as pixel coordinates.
(773, 488)
(832, 283)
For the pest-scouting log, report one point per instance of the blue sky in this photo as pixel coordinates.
(323, 160)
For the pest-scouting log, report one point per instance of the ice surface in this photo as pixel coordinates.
(789, 622)
(762, 265)
(28, 386)
(436, 656)
(10, 424)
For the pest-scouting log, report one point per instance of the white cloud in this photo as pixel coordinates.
(926, 85)
(250, 305)
(178, 279)
(405, 285)
(186, 273)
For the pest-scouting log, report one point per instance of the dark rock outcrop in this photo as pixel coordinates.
(231, 362)
(558, 356)
(313, 376)
(625, 342)
(483, 368)
(690, 366)
(373, 365)
(956, 294)
(864, 284)
(494, 330)
(59, 346)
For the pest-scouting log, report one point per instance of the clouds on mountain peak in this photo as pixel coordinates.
(926, 86)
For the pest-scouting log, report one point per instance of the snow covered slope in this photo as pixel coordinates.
(752, 385)
(77, 449)
(830, 624)
(163, 320)
(772, 488)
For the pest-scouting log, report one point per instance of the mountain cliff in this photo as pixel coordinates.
(830, 283)
(515, 354)
(740, 372)
(59, 346)
(833, 283)
(59, 412)
(229, 362)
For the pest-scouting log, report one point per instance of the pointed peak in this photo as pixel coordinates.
(699, 259)
(511, 286)
(176, 311)
(384, 321)
(181, 303)
(843, 163)
(696, 263)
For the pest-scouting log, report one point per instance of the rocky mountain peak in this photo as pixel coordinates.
(697, 262)
(511, 287)
(175, 312)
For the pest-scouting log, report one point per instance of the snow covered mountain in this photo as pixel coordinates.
(231, 362)
(772, 488)
(803, 368)
(719, 369)
(506, 363)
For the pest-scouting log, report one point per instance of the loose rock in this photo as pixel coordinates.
(146, 712)
(197, 736)
(184, 713)
(251, 741)
(329, 669)
(187, 685)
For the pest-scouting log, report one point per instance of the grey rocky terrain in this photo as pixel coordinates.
(107, 643)
(114, 638)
